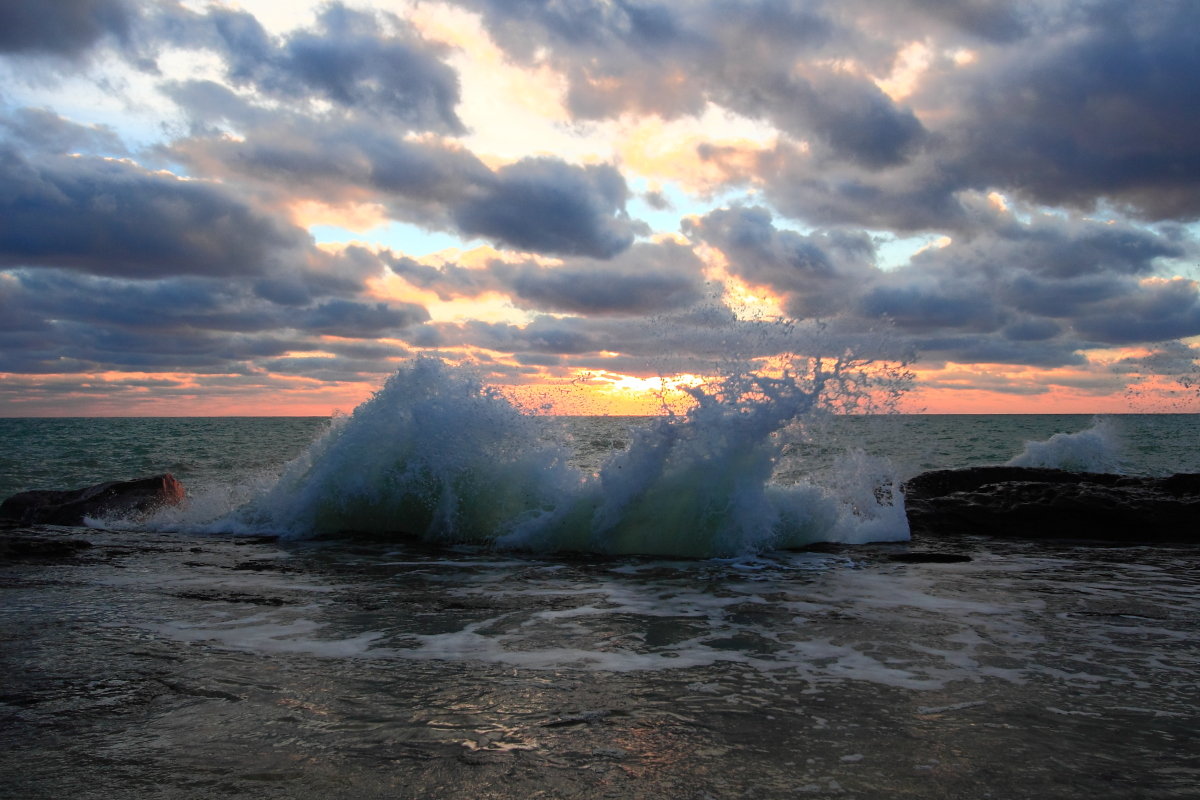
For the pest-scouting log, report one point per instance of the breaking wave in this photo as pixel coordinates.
(1094, 449)
(438, 454)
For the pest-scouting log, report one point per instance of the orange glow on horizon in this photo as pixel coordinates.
(950, 389)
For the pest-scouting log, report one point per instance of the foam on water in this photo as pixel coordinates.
(1094, 449)
(438, 454)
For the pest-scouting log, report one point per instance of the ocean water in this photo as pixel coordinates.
(209, 453)
(554, 617)
(756, 465)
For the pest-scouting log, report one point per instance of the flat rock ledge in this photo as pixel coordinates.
(1038, 503)
(114, 498)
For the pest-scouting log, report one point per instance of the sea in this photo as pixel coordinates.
(441, 595)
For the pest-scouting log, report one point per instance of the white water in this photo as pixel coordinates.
(437, 454)
(1095, 449)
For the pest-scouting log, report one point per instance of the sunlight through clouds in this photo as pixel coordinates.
(200, 189)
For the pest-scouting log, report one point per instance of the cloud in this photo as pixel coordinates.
(816, 274)
(359, 320)
(1095, 107)
(1156, 311)
(66, 28)
(674, 60)
(547, 206)
(114, 218)
(64, 321)
(543, 205)
(368, 62)
(1046, 153)
(645, 280)
(41, 130)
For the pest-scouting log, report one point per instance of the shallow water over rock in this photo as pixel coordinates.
(165, 665)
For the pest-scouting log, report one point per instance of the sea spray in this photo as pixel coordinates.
(701, 484)
(433, 453)
(438, 454)
(1094, 449)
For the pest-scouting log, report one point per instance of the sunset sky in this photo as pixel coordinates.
(267, 207)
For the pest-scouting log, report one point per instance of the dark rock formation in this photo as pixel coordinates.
(115, 498)
(1037, 503)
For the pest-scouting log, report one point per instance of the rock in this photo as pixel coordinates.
(1038, 503)
(69, 507)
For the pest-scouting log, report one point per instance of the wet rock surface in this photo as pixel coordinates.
(1038, 503)
(72, 506)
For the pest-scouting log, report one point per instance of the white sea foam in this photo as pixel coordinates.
(438, 454)
(1094, 449)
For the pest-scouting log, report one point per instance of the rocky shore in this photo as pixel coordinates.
(1038, 503)
(1002, 501)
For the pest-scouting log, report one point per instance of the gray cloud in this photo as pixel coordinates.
(1071, 103)
(63, 321)
(42, 130)
(359, 320)
(547, 206)
(637, 288)
(673, 59)
(648, 278)
(818, 274)
(1030, 290)
(1152, 312)
(114, 218)
(370, 62)
(67, 28)
(1100, 105)
(1084, 105)
(543, 205)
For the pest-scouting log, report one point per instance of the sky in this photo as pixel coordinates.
(267, 207)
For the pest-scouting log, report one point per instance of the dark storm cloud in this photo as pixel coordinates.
(923, 307)
(1170, 358)
(333, 370)
(370, 62)
(916, 197)
(67, 28)
(114, 218)
(597, 292)
(1031, 330)
(851, 117)
(1063, 298)
(323, 159)
(1085, 105)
